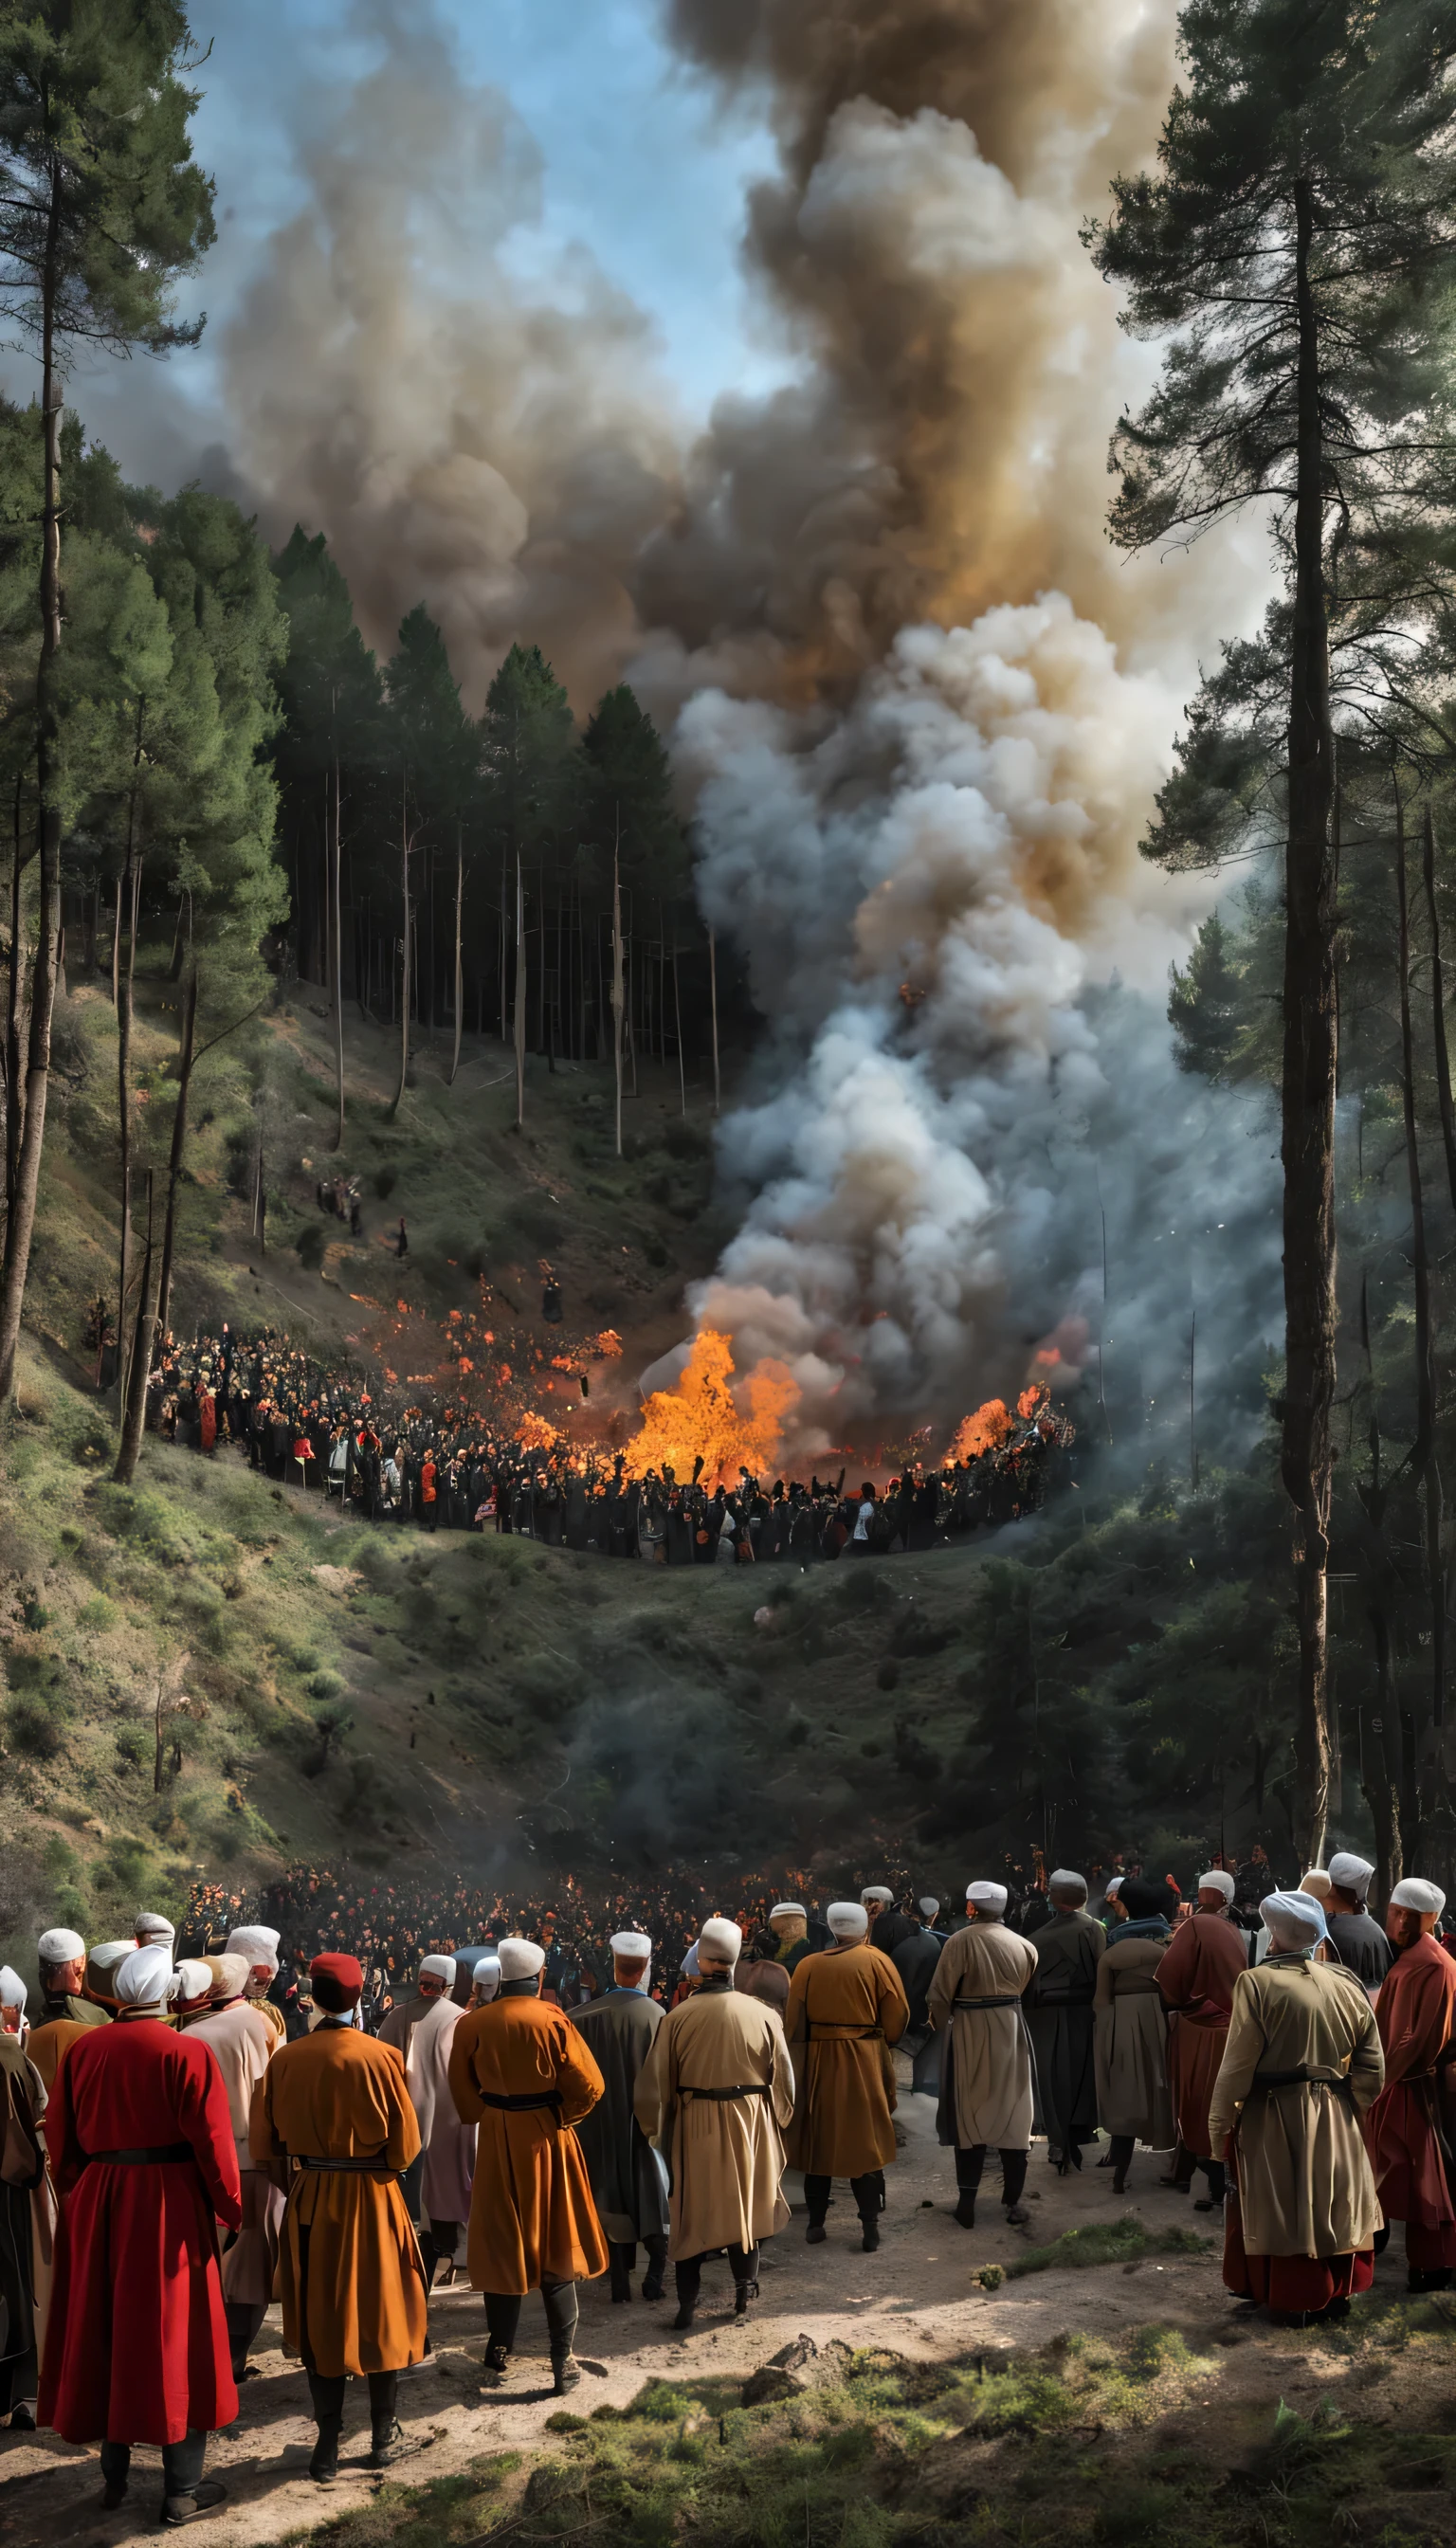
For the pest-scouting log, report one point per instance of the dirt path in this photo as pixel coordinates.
(916, 2297)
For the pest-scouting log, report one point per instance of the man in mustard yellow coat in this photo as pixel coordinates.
(846, 2007)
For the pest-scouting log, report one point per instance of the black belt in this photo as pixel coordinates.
(1301, 2078)
(520, 2104)
(347, 2167)
(845, 2034)
(724, 2096)
(165, 2154)
(1007, 1999)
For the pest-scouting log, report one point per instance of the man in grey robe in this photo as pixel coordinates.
(1060, 2021)
(628, 2186)
(1359, 1943)
(915, 1959)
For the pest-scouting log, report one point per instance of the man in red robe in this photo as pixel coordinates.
(1195, 1982)
(1415, 2012)
(142, 2153)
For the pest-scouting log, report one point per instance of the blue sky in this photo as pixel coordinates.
(641, 162)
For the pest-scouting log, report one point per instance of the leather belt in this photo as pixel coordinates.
(1301, 2078)
(520, 2104)
(347, 2167)
(845, 2034)
(1005, 1999)
(164, 2154)
(724, 2096)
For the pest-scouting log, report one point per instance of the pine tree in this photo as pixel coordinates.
(1295, 245)
(1202, 1004)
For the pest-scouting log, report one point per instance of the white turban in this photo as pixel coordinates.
(230, 1975)
(927, 1906)
(487, 1975)
(260, 1946)
(722, 1938)
(1353, 1874)
(13, 1992)
(788, 1911)
(848, 1919)
(1314, 1880)
(1217, 1879)
(441, 1968)
(104, 1960)
(631, 1944)
(1413, 1894)
(876, 1894)
(1297, 1910)
(60, 1947)
(190, 1981)
(152, 1929)
(987, 1897)
(140, 1978)
(1114, 1885)
(690, 1965)
(521, 1960)
(1065, 1879)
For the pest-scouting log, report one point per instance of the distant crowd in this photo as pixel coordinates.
(445, 1468)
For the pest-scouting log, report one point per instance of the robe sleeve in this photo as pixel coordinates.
(265, 2148)
(579, 2075)
(782, 2080)
(402, 2143)
(942, 1992)
(206, 2119)
(652, 2094)
(1240, 2060)
(61, 2145)
(895, 2007)
(1175, 1983)
(1367, 2061)
(461, 2074)
(1420, 2030)
(1103, 1993)
(795, 2022)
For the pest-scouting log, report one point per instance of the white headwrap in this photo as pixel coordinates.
(787, 1911)
(848, 1919)
(1065, 1879)
(13, 1992)
(59, 1947)
(441, 1968)
(151, 1930)
(1114, 1885)
(140, 1978)
(722, 1938)
(876, 1894)
(105, 1959)
(521, 1960)
(230, 1975)
(1353, 1874)
(1315, 1880)
(260, 1946)
(487, 1975)
(926, 1906)
(689, 1964)
(987, 1897)
(1413, 1894)
(192, 1980)
(1300, 1908)
(1217, 1879)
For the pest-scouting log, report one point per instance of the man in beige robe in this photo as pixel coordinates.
(259, 1946)
(398, 2029)
(1302, 2064)
(243, 2043)
(447, 2146)
(716, 2094)
(986, 2092)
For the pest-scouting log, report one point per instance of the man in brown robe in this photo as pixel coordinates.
(1406, 2128)
(1195, 1980)
(25, 2211)
(1059, 2007)
(846, 2008)
(353, 2285)
(1302, 2064)
(525, 2075)
(628, 2182)
(716, 2094)
(66, 2004)
(974, 2002)
(242, 2044)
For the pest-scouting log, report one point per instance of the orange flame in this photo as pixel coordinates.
(1030, 1399)
(982, 1432)
(731, 1429)
(535, 1433)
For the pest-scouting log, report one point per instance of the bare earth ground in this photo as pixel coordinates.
(916, 2298)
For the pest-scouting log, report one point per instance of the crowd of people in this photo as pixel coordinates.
(191, 2135)
(444, 1467)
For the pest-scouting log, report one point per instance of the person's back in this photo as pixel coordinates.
(1361, 1945)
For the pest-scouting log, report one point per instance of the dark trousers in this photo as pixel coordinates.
(687, 2272)
(328, 2400)
(868, 2191)
(623, 2255)
(181, 2463)
(502, 2315)
(438, 2244)
(244, 2317)
(969, 2162)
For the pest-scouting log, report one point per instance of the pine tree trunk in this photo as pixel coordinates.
(678, 1030)
(520, 1001)
(616, 984)
(138, 1369)
(14, 1108)
(405, 961)
(1424, 1466)
(459, 967)
(336, 915)
(1308, 1082)
(179, 1145)
(130, 893)
(20, 1221)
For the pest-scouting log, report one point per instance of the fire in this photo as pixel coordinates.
(1030, 1399)
(704, 1415)
(982, 1432)
(536, 1433)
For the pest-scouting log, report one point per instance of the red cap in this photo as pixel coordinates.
(346, 1970)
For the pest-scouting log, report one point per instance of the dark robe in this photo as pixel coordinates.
(1058, 2005)
(627, 2184)
(891, 1930)
(915, 1960)
(1362, 1946)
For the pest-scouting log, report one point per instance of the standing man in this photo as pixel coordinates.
(915, 1960)
(433, 1982)
(790, 1922)
(447, 2146)
(716, 2094)
(974, 2004)
(846, 2008)
(260, 1947)
(352, 2282)
(66, 2014)
(243, 2043)
(627, 2183)
(1195, 1981)
(142, 2155)
(25, 2212)
(522, 2072)
(1358, 1942)
(1059, 2018)
(1404, 2129)
(888, 1926)
(1302, 2064)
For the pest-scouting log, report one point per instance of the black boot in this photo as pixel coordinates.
(743, 2292)
(657, 2267)
(497, 2359)
(206, 2495)
(327, 2400)
(622, 2261)
(566, 2371)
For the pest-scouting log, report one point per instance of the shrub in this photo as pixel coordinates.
(309, 1246)
(35, 1728)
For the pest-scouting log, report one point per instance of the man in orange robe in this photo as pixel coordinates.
(1404, 2130)
(523, 2074)
(336, 2103)
(846, 2007)
(1195, 1982)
